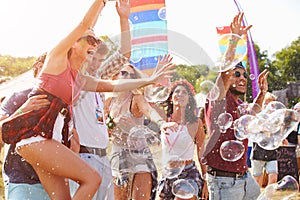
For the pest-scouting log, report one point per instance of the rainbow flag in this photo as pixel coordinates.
(241, 47)
(148, 32)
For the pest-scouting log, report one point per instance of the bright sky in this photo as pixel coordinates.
(31, 27)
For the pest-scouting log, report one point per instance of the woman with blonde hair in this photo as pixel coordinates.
(135, 176)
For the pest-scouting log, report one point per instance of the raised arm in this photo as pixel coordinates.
(223, 81)
(263, 87)
(59, 53)
(236, 28)
(123, 9)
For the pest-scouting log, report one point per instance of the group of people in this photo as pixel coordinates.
(57, 132)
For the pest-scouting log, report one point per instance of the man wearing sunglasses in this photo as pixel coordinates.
(89, 109)
(228, 179)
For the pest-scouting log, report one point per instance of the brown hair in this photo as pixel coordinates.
(36, 66)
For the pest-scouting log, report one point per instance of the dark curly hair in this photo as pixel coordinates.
(190, 110)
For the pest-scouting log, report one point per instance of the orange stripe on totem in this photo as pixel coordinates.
(135, 3)
(146, 7)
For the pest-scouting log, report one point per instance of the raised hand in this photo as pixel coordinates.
(123, 8)
(163, 60)
(236, 25)
(263, 81)
(164, 72)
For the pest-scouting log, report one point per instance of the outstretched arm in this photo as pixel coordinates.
(223, 81)
(100, 85)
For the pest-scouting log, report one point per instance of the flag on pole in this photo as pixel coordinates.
(148, 32)
(253, 62)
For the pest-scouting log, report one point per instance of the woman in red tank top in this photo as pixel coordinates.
(53, 161)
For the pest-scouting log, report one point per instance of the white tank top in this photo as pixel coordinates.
(178, 144)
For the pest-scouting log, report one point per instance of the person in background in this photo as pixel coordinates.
(297, 109)
(179, 146)
(135, 176)
(20, 179)
(226, 179)
(89, 109)
(264, 159)
(289, 150)
(61, 80)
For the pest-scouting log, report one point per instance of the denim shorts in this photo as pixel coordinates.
(258, 166)
(16, 191)
(102, 166)
(227, 188)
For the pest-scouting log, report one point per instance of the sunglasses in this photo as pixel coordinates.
(91, 40)
(126, 73)
(238, 74)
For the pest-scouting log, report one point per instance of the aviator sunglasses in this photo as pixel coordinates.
(238, 74)
(91, 40)
(126, 73)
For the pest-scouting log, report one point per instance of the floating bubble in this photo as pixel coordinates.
(224, 121)
(172, 167)
(286, 188)
(136, 55)
(276, 128)
(162, 13)
(139, 140)
(114, 162)
(274, 105)
(248, 108)
(242, 126)
(210, 90)
(156, 92)
(183, 189)
(232, 150)
(268, 141)
(154, 144)
(252, 77)
(240, 51)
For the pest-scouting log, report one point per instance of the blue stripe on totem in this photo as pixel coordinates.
(149, 28)
(144, 16)
(149, 49)
(146, 63)
(239, 49)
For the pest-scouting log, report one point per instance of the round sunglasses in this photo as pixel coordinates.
(238, 74)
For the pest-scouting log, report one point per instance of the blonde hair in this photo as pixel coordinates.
(138, 74)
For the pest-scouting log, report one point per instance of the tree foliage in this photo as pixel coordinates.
(284, 68)
(14, 66)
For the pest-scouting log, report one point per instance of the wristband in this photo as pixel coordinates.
(20, 111)
(231, 41)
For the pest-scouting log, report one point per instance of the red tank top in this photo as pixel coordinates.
(65, 85)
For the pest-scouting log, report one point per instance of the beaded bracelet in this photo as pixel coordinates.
(20, 111)
(231, 41)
